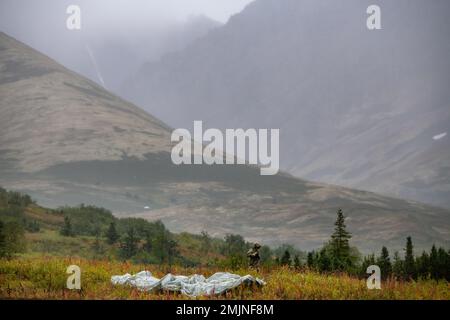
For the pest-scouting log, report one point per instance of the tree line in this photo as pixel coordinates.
(150, 242)
(434, 264)
(13, 223)
(338, 255)
(133, 238)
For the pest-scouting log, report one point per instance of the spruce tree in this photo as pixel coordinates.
(397, 267)
(164, 247)
(297, 263)
(442, 264)
(447, 266)
(2, 240)
(148, 244)
(67, 228)
(159, 247)
(172, 250)
(340, 243)
(112, 234)
(130, 244)
(423, 265)
(286, 258)
(310, 260)
(324, 261)
(367, 261)
(409, 265)
(384, 262)
(434, 263)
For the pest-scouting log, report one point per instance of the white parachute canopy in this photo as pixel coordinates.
(192, 286)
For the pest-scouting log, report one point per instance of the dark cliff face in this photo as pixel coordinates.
(355, 107)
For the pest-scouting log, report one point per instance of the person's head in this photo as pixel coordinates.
(256, 246)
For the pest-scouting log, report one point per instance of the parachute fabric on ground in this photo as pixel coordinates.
(192, 286)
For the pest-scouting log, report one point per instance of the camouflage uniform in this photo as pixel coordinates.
(253, 255)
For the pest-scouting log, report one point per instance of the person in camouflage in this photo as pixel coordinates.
(253, 255)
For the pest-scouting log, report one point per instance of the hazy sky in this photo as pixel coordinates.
(217, 9)
(114, 12)
(39, 21)
(135, 29)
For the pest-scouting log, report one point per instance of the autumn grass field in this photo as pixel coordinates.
(45, 278)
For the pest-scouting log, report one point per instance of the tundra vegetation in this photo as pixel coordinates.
(37, 245)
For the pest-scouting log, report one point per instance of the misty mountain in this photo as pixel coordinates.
(355, 107)
(65, 140)
(110, 46)
(118, 58)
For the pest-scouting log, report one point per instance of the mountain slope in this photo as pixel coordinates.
(355, 107)
(50, 115)
(65, 140)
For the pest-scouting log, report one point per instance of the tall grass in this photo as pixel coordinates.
(45, 278)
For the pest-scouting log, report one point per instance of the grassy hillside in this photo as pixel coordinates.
(53, 239)
(48, 240)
